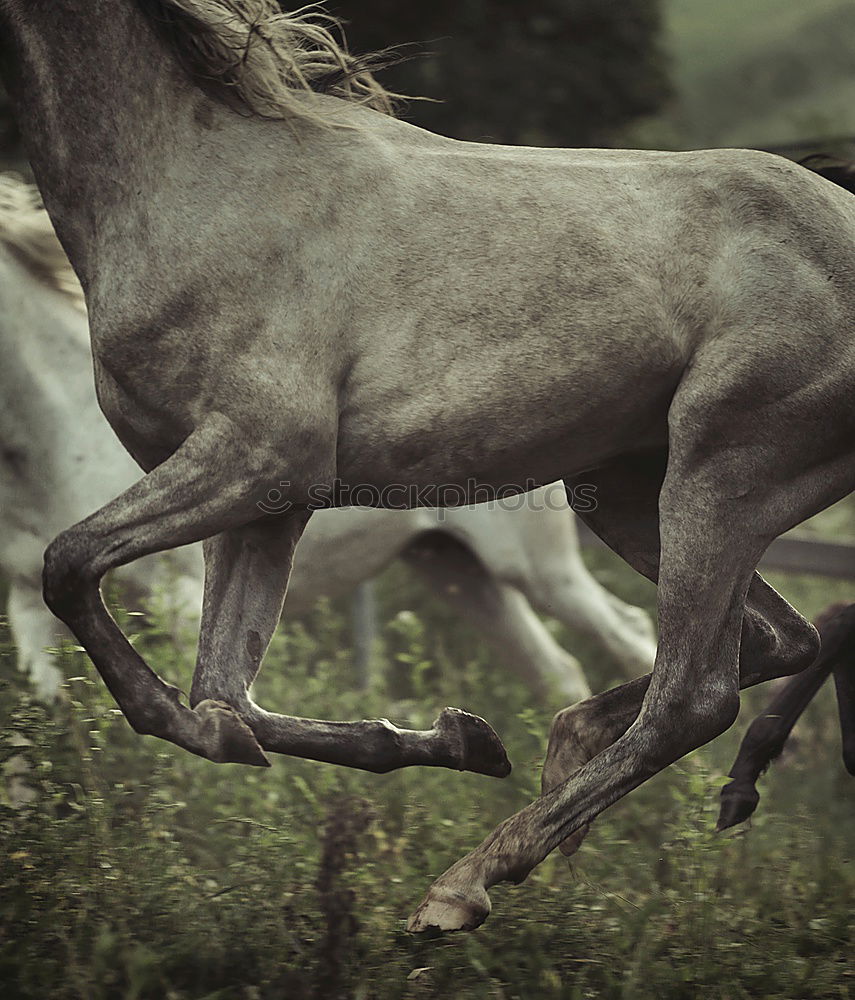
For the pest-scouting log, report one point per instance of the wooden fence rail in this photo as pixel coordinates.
(790, 553)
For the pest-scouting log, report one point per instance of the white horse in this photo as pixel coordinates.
(59, 461)
(288, 290)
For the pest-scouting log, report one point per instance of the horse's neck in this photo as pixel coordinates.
(80, 75)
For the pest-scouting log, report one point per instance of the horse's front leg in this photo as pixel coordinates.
(211, 486)
(246, 573)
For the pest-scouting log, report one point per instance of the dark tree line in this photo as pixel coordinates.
(544, 72)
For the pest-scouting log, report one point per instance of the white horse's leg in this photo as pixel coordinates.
(568, 592)
(554, 578)
(246, 573)
(503, 615)
(35, 630)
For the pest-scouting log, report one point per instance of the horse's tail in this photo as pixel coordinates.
(840, 172)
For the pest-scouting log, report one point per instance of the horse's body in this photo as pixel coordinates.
(297, 302)
(59, 461)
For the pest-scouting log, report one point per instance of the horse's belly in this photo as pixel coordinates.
(522, 432)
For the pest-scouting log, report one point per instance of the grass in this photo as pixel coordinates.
(139, 871)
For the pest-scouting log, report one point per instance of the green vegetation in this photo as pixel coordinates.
(141, 872)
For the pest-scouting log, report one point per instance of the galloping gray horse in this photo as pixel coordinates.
(289, 291)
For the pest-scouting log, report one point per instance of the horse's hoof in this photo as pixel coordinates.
(738, 802)
(445, 909)
(476, 747)
(227, 738)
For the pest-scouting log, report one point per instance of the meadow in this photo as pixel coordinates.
(138, 871)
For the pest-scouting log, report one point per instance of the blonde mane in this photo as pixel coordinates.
(25, 228)
(260, 59)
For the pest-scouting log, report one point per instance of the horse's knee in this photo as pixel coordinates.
(66, 573)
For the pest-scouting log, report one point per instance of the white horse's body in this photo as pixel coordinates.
(59, 461)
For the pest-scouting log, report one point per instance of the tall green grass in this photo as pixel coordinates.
(138, 871)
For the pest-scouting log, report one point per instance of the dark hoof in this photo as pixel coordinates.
(738, 802)
(228, 739)
(475, 745)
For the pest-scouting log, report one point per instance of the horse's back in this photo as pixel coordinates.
(553, 290)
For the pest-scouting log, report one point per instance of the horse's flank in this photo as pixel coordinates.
(257, 58)
(26, 230)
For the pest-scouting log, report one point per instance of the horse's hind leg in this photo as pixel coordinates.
(719, 507)
(776, 640)
(764, 741)
(246, 573)
(844, 684)
(692, 697)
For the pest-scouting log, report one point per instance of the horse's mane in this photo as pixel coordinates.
(26, 230)
(259, 59)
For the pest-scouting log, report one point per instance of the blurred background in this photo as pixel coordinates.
(137, 871)
(665, 74)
